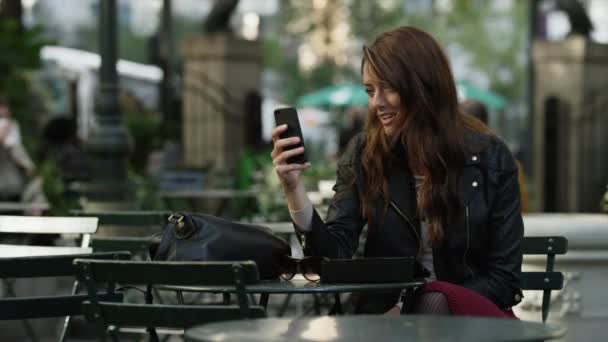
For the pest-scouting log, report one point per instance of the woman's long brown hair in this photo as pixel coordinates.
(429, 125)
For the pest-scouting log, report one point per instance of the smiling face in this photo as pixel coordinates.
(383, 100)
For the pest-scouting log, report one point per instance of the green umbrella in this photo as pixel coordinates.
(466, 90)
(346, 94)
(353, 94)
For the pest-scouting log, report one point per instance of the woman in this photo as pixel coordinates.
(428, 181)
(15, 163)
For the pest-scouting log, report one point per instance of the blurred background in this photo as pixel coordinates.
(197, 82)
(167, 105)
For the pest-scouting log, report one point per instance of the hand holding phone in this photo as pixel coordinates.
(289, 116)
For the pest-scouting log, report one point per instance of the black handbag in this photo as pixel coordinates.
(199, 237)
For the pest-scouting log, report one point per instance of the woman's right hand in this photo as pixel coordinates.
(289, 174)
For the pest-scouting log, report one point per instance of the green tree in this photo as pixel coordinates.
(20, 53)
(490, 35)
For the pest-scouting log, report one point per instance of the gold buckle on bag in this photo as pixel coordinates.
(178, 220)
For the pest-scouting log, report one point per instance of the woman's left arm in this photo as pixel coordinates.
(501, 280)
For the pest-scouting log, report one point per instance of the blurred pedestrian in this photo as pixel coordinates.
(63, 145)
(480, 112)
(475, 109)
(16, 166)
(355, 119)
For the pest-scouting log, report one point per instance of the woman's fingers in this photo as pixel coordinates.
(277, 131)
(284, 168)
(281, 158)
(280, 155)
(279, 145)
(282, 143)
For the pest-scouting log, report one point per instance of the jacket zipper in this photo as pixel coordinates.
(394, 206)
(466, 250)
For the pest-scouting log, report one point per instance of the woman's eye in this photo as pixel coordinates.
(389, 89)
(369, 92)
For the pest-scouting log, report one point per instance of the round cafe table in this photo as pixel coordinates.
(298, 285)
(376, 328)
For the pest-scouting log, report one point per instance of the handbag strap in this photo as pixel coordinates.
(167, 238)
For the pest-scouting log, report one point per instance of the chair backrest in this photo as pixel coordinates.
(81, 226)
(96, 272)
(549, 279)
(127, 229)
(136, 245)
(127, 218)
(47, 266)
(12, 207)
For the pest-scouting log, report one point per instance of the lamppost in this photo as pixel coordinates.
(108, 145)
(533, 11)
(166, 52)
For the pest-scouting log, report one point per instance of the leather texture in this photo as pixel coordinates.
(482, 246)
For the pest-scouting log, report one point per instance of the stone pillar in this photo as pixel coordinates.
(219, 72)
(570, 137)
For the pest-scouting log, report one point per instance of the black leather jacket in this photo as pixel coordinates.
(482, 246)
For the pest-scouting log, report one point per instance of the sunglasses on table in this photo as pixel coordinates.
(309, 267)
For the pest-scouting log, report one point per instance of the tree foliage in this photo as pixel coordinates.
(20, 53)
(491, 36)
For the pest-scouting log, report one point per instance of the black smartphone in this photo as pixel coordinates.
(289, 116)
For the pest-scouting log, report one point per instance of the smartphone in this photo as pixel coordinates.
(289, 116)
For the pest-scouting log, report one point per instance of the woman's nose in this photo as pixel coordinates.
(378, 100)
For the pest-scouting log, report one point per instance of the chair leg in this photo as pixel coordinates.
(64, 330)
(545, 305)
(152, 333)
(317, 304)
(113, 332)
(157, 295)
(226, 297)
(29, 331)
(285, 305)
(264, 300)
(337, 307)
(66, 322)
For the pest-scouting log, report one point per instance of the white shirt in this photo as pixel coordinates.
(425, 256)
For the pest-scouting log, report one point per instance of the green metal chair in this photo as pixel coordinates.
(131, 230)
(549, 279)
(21, 231)
(139, 246)
(111, 315)
(127, 218)
(21, 308)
